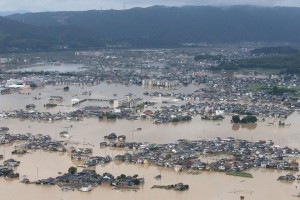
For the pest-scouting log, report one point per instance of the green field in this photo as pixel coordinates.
(270, 89)
(241, 174)
(257, 86)
(268, 64)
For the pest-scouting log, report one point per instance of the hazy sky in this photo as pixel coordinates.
(51, 5)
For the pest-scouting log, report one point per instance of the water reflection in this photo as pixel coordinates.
(250, 126)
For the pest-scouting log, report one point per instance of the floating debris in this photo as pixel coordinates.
(176, 187)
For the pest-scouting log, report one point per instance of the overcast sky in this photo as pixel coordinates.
(57, 5)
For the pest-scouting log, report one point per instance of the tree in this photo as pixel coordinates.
(175, 120)
(249, 119)
(135, 176)
(72, 170)
(136, 181)
(122, 176)
(236, 119)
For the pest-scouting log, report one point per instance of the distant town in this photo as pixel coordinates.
(150, 91)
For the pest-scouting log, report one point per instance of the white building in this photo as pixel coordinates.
(75, 100)
(127, 102)
(160, 83)
(220, 112)
(120, 102)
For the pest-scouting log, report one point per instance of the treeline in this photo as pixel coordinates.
(156, 26)
(280, 90)
(181, 119)
(208, 57)
(108, 115)
(286, 63)
(275, 50)
(244, 120)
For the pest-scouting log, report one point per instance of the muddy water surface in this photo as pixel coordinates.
(89, 132)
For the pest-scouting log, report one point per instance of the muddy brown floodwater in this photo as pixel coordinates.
(207, 185)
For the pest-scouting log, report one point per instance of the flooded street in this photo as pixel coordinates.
(93, 130)
(40, 96)
(90, 132)
(208, 185)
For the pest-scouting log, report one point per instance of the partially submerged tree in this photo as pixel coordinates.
(72, 170)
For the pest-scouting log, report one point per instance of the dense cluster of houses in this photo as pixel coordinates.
(30, 141)
(222, 155)
(230, 154)
(231, 93)
(8, 172)
(164, 114)
(87, 179)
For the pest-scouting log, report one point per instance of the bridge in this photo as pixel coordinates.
(83, 100)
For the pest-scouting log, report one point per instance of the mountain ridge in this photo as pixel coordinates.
(160, 26)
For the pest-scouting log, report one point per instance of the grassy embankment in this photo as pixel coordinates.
(241, 174)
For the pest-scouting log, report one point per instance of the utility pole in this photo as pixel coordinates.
(37, 173)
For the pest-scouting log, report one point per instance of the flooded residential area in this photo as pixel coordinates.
(145, 124)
